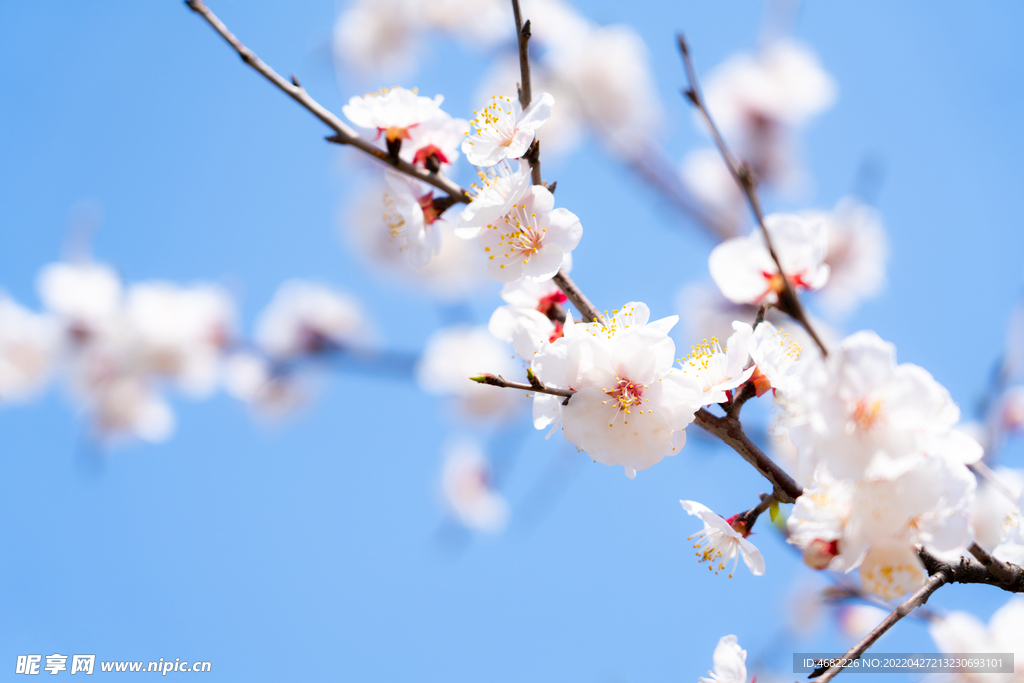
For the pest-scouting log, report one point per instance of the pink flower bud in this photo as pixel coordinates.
(819, 553)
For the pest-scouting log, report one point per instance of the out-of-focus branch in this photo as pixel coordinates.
(525, 89)
(344, 135)
(729, 430)
(919, 597)
(788, 300)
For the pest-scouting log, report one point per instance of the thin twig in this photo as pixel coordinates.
(749, 517)
(499, 381)
(579, 300)
(729, 430)
(919, 597)
(525, 88)
(788, 300)
(344, 135)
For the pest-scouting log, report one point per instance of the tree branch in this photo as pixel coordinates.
(729, 430)
(534, 385)
(525, 88)
(579, 300)
(919, 597)
(788, 300)
(344, 135)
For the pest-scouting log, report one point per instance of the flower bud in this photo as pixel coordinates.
(819, 553)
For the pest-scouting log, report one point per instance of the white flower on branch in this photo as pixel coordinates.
(457, 271)
(722, 540)
(531, 240)
(730, 662)
(631, 405)
(531, 318)
(867, 417)
(466, 484)
(497, 192)
(719, 371)
(392, 111)
(776, 355)
(410, 214)
(744, 270)
(28, 346)
(874, 525)
(503, 130)
(306, 318)
(434, 144)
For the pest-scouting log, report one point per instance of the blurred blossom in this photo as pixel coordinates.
(857, 254)
(457, 270)
(250, 378)
(85, 296)
(28, 345)
(757, 99)
(378, 37)
(856, 621)
(995, 514)
(182, 332)
(608, 72)
(730, 662)
(709, 180)
(744, 270)
(306, 318)
(480, 23)
(411, 218)
(960, 632)
(466, 484)
(533, 317)
(1011, 409)
(454, 354)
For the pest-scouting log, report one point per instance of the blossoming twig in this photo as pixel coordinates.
(920, 597)
(788, 300)
(344, 135)
(525, 90)
(578, 298)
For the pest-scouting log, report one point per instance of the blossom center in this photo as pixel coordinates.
(867, 414)
(627, 393)
(524, 237)
(497, 119)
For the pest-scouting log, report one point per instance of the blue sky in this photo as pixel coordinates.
(311, 550)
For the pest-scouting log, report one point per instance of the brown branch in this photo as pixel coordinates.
(749, 517)
(525, 88)
(534, 385)
(788, 300)
(966, 570)
(344, 135)
(919, 597)
(579, 300)
(997, 568)
(729, 430)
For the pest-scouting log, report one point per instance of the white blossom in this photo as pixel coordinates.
(392, 111)
(717, 370)
(378, 36)
(85, 296)
(182, 331)
(28, 346)
(960, 632)
(503, 130)
(468, 493)
(409, 213)
(454, 354)
(720, 541)
(434, 144)
(857, 254)
(869, 418)
(531, 240)
(530, 320)
(305, 318)
(744, 270)
(631, 405)
(730, 662)
(497, 193)
(776, 355)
